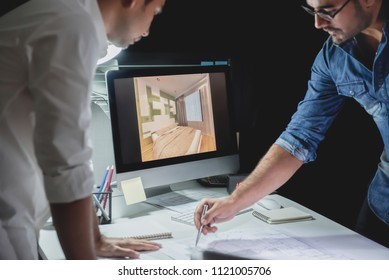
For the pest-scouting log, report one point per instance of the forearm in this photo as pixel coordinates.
(74, 223)
(272, 171)
(95, 229)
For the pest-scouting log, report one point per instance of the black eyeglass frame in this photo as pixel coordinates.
(323, 14)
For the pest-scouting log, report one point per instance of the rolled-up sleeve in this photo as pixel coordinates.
(315, 114)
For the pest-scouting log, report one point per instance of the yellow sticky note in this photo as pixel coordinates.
(133, 190)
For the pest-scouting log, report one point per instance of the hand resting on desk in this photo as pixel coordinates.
(114, 247)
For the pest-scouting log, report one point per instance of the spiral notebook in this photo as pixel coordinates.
(283, 215)
(154, 236)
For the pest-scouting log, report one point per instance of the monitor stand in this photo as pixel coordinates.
(150, 192)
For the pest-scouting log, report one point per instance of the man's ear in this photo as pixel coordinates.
(370, 3)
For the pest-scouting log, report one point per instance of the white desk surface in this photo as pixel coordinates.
(320, 238)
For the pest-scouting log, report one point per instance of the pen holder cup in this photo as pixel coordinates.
(103, 206)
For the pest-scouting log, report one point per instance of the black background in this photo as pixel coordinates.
(271, 50)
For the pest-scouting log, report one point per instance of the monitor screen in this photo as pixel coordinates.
(172, 123)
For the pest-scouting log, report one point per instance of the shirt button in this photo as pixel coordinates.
(351, 92)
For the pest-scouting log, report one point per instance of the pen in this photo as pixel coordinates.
(205, 208)
(107, 187)
(103, 212)
(101, 188)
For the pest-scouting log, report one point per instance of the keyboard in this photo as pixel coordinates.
(214, 181)
(188, 217)
(185, 218)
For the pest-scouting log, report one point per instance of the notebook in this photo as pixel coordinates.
(154, 236)
(283, 215)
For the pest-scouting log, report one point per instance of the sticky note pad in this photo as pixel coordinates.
(133, 190)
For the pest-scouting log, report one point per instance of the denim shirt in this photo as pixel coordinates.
(335, 76)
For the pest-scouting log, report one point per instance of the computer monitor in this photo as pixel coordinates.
(172, 123)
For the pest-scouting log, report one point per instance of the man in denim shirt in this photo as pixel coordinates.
(353, 63)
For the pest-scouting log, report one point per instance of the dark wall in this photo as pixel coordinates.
(271, 62)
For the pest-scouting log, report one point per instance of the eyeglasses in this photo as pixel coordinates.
(328, 16)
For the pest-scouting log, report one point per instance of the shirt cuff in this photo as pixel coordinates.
(299, 153)
(70, 185)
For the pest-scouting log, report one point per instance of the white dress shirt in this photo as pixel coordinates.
(48, 55)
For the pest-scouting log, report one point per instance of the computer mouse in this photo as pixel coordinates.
(269, 203)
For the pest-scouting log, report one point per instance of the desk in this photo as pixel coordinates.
(320, 238)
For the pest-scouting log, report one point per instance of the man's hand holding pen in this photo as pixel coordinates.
(219, 210)
(205, 208)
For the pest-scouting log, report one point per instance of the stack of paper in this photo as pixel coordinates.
(283, 215)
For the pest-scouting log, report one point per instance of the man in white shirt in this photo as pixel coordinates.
(48, 55)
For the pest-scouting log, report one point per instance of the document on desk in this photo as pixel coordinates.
(263, 243)
(171, 249)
